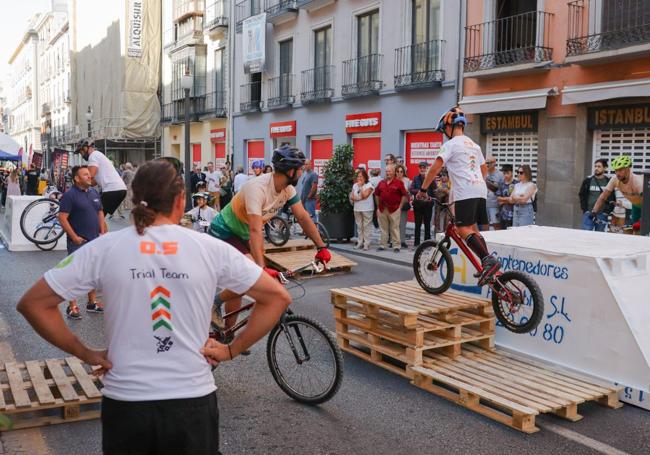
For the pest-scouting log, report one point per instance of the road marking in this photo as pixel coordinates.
(583, 440)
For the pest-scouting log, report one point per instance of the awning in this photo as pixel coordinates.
(575, 94)
(507, 101)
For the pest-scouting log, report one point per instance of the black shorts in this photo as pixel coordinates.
(243, 246)
(471, 211)
(189, 425)
(111, 200)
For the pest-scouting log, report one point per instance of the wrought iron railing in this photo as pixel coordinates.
(216, 14)
(317, 84)
(607, 25)
(512, 40)
(280, 91)
(215, 103)
(362, 76)
(273, 7)
(245, 9)
(419, 65)
(250, 95)
(174, 112)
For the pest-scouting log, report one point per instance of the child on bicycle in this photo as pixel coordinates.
(467, 170)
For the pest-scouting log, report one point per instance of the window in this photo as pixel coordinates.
(193, 58)
(255, 88)
(322, 57)
(256, 7)
(286, 66)
(219, 80)
(368, 34)
(518, 32)
(425, 20)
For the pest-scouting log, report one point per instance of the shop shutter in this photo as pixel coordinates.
(514, 148)
(635, 143)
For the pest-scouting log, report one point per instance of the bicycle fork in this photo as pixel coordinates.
(287, 333)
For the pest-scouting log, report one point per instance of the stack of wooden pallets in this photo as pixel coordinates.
(445, 345)
(37, 393)
(291, 245)
(298, 253)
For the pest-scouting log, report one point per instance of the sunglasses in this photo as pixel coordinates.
(520, 172)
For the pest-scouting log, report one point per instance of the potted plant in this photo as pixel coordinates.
(335, 208)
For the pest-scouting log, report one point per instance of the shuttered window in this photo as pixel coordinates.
(514, 148)
(635, 143)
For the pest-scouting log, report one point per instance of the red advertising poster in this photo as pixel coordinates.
(363, 123)
(282, 129)
(421, 146)
(255, 150)
(367, 152)
(196, 153)
(218, 135)
(219, 155)
(321, 153)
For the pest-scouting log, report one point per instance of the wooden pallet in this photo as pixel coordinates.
(510, 388)
(290, 260)
(291, 245)
(38, 393)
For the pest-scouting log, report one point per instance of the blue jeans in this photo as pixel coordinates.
(310, 206)
(523, 215)
(589, 225)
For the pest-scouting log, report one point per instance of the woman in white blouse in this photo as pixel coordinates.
(360, 197)
(522, 197)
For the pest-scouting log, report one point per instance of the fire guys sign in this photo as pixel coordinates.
(363, 123)
(282, 129)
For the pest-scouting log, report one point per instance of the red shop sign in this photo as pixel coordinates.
(218, 135)
(282, 129)
(363, 123)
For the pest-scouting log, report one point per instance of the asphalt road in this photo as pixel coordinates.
(375, 411)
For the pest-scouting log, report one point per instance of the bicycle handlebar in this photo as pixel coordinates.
(316, 266)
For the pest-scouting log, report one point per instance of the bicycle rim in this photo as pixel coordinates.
(42, 212)
(47, 236)
(277, 231)
(517, 302)
(317, 377)
(433, 267)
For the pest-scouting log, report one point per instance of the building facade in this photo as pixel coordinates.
(556, 85)
(374, 74)
(23, 92)
(196, 41)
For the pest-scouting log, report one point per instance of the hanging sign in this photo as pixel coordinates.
(254, 43)
(136, 27)
(218, 135)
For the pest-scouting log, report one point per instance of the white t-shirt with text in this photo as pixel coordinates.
(106, 177)
(214, 180)
(158, 291)
(463, 159)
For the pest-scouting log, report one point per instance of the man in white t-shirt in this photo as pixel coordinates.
(240, 179)
(104, 175)
(158, 280)
(467, 171)
(213, 177)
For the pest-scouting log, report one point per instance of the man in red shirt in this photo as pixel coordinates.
(390, 195)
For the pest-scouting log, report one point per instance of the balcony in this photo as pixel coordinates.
(313, 5)
(519, 43)
(187, 8)
(215, 104)
(280, 11)
(250, 97)
(216, 16)
(419, 65)
(188, 33)
(317, 85)
(280, 91)
(362, 76)
(607, 29)
(174, 112)
(245, 9)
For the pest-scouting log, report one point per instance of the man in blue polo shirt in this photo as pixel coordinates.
(82, 218)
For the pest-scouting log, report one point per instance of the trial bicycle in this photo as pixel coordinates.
(516, 298)
(280, 228)
(39, 222)
(302, 354)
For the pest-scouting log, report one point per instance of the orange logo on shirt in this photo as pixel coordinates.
(151, 248)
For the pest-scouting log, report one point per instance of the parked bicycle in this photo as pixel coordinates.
(39, 222)
(303, 356)
(516, 298)
(281, 228)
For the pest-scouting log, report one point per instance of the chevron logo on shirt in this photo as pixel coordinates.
(161, 315)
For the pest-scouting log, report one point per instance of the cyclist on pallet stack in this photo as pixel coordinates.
(628, 183)
(467, 170)
(241, 222)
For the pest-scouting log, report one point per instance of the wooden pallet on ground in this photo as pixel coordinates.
(291, 245)
(404, 323)
(291, 260)
(510, 388)
(46, 392)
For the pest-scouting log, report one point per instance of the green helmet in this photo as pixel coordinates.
(621, 162)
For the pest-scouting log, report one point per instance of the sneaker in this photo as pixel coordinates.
(381, 248)
(94, 307)
(73, 312)
(356, 246)
(395, 250)
(491, 265)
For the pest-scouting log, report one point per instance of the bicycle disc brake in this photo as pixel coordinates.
(513, 297)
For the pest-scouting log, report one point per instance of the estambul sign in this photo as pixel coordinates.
(630, 116)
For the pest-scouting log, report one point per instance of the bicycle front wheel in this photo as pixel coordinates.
(46, 234)
(277, 231)
(304, 360)
(433, 267)
(40, 213)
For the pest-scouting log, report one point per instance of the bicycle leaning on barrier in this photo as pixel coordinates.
(39, 222)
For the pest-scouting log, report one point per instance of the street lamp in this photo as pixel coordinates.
(186, 85)
(89, 116)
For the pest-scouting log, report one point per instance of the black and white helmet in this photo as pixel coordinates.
(286, 158)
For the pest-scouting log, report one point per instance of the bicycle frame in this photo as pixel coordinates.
(452, 233)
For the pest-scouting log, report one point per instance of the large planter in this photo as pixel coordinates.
(339, 225)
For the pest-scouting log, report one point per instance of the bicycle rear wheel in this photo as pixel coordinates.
(37, 214)
(277, 231)
(324, 235)
(433, 267)
(304, 360)
(47, 233)
(517, 301)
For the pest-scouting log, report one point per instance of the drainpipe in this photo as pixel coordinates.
(461, 40)
(232, 24)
